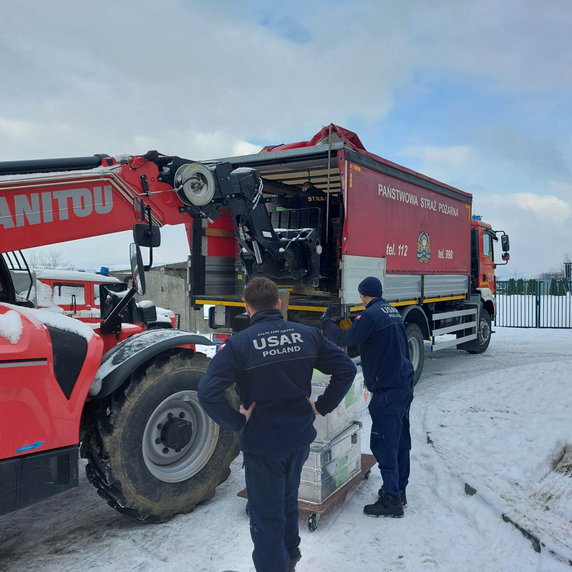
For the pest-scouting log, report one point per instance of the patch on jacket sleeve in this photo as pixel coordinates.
(358, 317)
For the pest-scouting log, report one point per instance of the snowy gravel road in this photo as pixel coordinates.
(498, 421)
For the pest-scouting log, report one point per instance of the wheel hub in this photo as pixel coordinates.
(179, 438)
(176, 433)
(484, 330)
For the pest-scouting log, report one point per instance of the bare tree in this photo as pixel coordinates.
(551, 274)
(48, 259)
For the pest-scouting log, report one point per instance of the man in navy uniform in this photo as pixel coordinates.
(388, 375)
(272, 362)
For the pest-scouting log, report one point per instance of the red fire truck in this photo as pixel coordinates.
(76, 294)
(331, 213)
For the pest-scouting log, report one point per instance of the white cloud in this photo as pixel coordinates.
(561, 186)
(540, 228)
(547, 208)
(138, 71)
(442, 157)
(194, 145)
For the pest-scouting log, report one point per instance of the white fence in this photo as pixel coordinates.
(538, 309)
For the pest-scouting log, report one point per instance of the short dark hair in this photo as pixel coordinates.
(261, 294)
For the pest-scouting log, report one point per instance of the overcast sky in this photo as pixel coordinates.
(475, 94)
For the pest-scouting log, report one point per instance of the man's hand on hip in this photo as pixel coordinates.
(246, 412)
(313, 406)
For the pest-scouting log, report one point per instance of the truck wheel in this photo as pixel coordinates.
(484, 333)
(416, 349)
(152, 451)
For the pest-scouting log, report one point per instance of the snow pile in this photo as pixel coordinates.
(164, 315)
(71, 275)
(55, 320)
(11, 326)
(493, 434)
(44, 296)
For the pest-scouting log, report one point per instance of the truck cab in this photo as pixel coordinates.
(483, 264)
(73, 293)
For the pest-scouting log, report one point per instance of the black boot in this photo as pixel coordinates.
(402, 495)
(387, 505)
(293, 559)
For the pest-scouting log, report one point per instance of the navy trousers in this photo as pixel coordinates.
(390, 440)
(272, 483)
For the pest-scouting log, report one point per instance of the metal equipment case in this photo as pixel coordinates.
(331, 465)
(351, 408)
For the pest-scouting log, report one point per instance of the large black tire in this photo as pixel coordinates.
(484, 333)
(416, 349)
(152, 451)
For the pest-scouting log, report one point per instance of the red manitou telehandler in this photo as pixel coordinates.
(118, 391)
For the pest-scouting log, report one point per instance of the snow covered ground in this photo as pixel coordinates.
(492, 436)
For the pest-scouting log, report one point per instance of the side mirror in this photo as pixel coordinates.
(147, 235)
(137, 269)
(505, 243)
(505, 256)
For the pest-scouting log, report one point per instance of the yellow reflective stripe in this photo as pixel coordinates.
(218, 303)
(323, 308)
(444, 299)
(226, 303)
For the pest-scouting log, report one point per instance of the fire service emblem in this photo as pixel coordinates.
(423, 247)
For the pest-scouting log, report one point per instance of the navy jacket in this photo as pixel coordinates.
(380, 334)
(272, 363)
